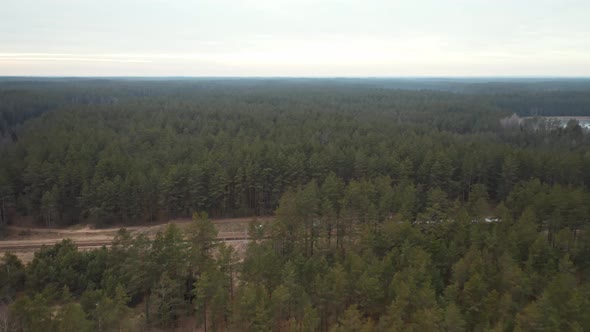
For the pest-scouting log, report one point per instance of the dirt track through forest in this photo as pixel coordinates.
(24, 241)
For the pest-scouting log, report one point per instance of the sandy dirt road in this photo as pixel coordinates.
(24, 241)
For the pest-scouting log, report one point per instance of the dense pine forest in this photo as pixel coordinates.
(397, 204)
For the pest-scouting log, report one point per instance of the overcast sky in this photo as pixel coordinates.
(295, 38)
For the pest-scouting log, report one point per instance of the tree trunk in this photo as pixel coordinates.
(205, 316)
(330, 236)
(3, 218)
(147, 308)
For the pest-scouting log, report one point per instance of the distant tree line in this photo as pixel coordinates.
(164, 150)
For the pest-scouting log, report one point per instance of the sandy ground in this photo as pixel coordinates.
(24, 241)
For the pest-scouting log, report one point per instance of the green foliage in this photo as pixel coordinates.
(168, 149)
(31, 314)
(73, 318)
(201, 236)
(12, 276)
(167, 301)
(352, 321)
(63, 265)
(393, 210)
(386, 275)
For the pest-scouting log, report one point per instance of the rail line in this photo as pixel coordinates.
(28, 246)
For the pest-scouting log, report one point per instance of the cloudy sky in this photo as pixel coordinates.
(295, 38)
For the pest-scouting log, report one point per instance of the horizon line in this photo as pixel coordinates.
(309, 76)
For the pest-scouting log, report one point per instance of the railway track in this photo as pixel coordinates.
(36, 246)
(83, 244)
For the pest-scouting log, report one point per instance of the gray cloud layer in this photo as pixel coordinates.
(295, 38)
